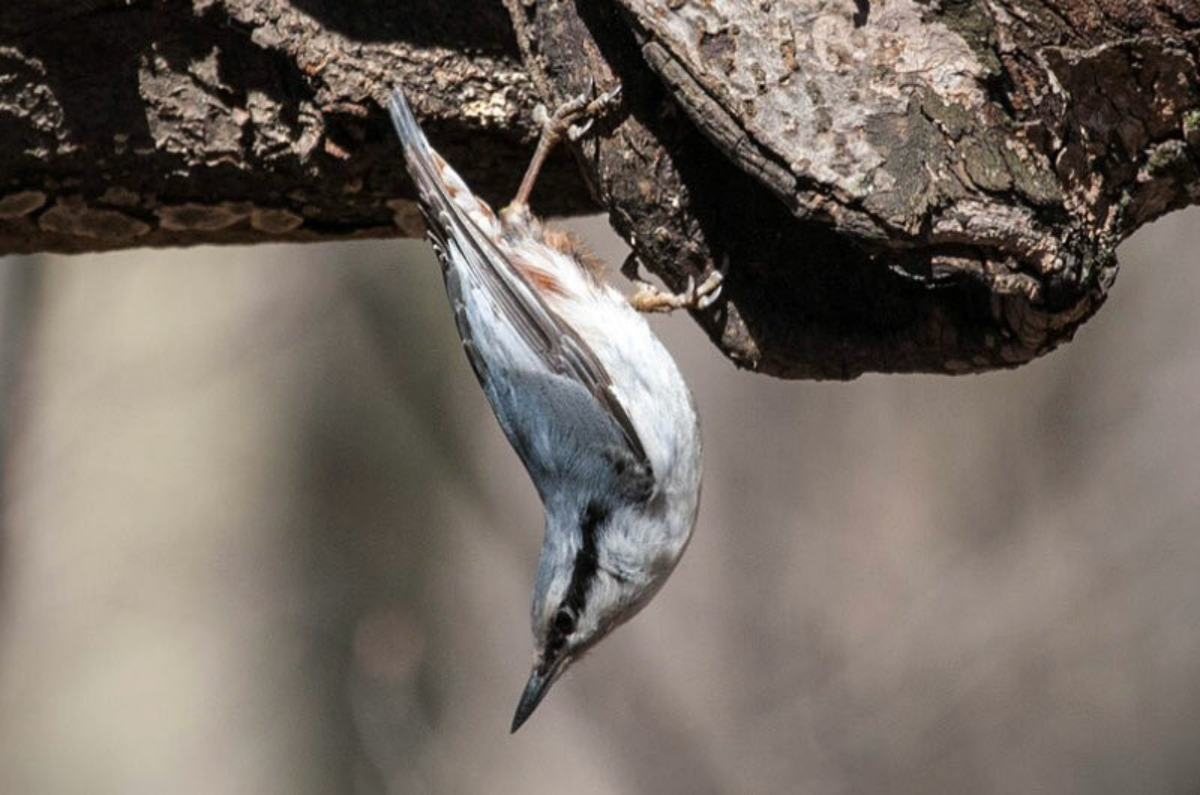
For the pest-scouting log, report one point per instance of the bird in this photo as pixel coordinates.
(591, 401)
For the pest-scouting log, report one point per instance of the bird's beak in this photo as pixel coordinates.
(540, 680)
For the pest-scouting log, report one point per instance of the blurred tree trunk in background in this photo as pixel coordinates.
(261, 534)
(220, 517)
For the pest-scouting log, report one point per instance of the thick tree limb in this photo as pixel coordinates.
(910, 185)
(915, 185)
(166, 122)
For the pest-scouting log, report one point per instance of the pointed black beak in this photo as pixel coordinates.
(536, 689)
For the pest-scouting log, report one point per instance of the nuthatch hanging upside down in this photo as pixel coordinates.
(586, 394)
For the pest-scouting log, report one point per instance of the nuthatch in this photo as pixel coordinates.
(586, 394)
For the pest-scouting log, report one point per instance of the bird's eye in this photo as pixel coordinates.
(564, 622)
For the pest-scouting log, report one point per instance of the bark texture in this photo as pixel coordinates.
(169, 122)
(910, 185)
(895, 186)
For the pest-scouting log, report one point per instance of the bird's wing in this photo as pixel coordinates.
(454, 217)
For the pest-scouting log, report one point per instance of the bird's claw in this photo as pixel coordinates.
(587, 106)
(648, 298)
(560, 124)
(577, 131)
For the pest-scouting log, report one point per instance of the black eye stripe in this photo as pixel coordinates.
(591, 519)
(587, 563)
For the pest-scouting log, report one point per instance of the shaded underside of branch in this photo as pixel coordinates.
(168, 122)
(909, 186)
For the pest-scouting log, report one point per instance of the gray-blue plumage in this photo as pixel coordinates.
(567, 367)
(580, 396)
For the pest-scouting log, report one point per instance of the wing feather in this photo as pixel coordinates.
(450, 212)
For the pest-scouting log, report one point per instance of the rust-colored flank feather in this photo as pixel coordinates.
(572, 246)
(542, 281)
(441, 167)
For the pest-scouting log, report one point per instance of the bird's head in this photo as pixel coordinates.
(594, 574)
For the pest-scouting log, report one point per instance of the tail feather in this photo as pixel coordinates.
(405, 123)
(434, 177)
(464, 231)
(417, 150)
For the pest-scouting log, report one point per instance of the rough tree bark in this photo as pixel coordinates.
(932, 185)
(174, 122)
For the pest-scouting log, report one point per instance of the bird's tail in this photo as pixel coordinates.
(437, 183)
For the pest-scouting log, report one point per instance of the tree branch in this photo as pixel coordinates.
(916, 185)
(932, 185)
(166, 122)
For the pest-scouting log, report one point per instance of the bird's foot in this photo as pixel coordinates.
(585, 108)
(648, 298)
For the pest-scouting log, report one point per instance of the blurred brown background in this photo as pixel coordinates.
(262, 535)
